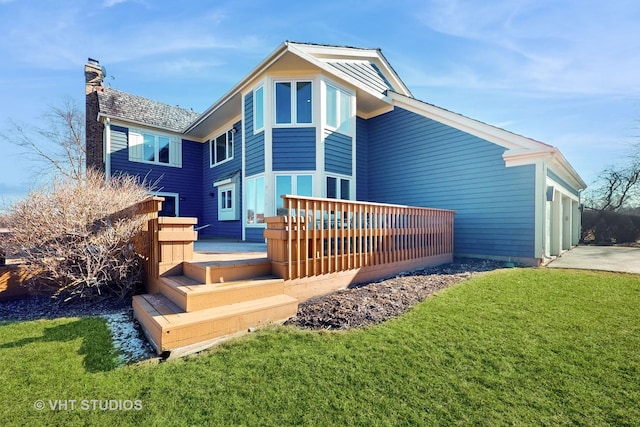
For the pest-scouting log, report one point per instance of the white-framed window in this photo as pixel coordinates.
(338, 188)
(171, 204)
(338, 109)
(254, 199)
(227, 205)
(258, 109)
(298, 184)
(221, 148)
(293, 102)
(154, 148)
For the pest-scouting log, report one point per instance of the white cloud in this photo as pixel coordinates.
(561, 47)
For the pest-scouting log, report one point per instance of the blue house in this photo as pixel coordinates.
(337, 122)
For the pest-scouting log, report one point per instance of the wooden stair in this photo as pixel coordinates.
(210, 302)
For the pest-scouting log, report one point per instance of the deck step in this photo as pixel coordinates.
(169, 328)
(190, 295)
(226, 271)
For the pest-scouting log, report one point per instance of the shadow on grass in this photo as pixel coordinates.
(96, 346)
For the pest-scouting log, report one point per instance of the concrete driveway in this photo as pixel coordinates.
(608, 258)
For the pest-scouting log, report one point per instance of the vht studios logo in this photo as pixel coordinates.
(88, 405)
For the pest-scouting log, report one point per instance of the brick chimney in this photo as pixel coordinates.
(93, 77)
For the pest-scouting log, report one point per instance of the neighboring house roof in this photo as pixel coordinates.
(136, 109)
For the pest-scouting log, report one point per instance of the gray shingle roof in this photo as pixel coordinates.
(125, 106)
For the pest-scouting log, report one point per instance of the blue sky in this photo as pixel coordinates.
(564, 72)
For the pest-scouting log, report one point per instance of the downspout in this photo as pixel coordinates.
(107, 149)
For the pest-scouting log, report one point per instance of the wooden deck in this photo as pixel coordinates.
(199, 297)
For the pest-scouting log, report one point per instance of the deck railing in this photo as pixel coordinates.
(165, 242)
(319, 236)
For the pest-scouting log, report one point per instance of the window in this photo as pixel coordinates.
(227, 206)
(294, 103)
(221, 148)
(255, 200)
(338, 109)
(147, 147)
(338, 188)
(301, 185)
(170, 204)
(258, 109)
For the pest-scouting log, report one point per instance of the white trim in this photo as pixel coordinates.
(245, 204)
(135, 148)
(233, 142)
(223, 182)
(351, 53)
(338, 178)
(539, 209)
(228, 214)
(242, 169)
(107, 149)
(294, 101)
(120, 121)
(254, 90)
(482, 130)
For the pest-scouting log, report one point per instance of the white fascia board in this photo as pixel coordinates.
(526, 157)
(337, 73)
(266, 63)
(552, 157)
(115, 120)
(482, 130)
(337, 53)
(563, 168)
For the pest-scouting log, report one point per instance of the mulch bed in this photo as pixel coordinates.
(372, 303)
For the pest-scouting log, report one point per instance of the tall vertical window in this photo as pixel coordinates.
(221, 148)
(258, 109)
(300, 185)
(294, 102)
(338, 109)
(255, 200)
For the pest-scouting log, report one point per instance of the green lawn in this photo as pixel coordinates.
(513, 347)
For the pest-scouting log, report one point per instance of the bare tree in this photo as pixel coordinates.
(617, 187)
(59, 146)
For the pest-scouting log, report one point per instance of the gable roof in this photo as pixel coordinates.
(136, 109)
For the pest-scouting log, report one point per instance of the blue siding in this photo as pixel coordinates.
(254, 234)
(231, 229)
(294, 149)
(362, 167)
(338, 153)
(254, 144)
(416, 161)
(186, 181)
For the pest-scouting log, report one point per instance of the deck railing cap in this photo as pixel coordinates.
(357, 202)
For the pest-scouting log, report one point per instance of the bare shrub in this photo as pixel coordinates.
(77, 237)
(606, 227)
